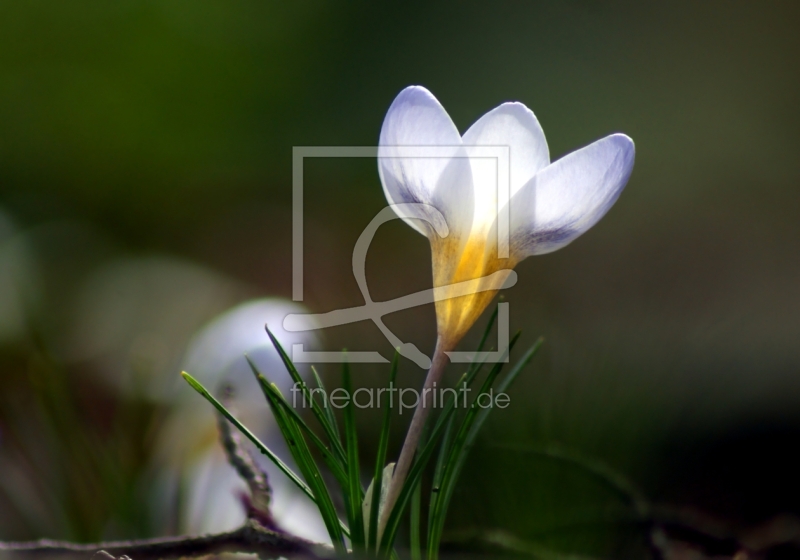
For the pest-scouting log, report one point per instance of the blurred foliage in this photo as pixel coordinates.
(73, 458)
(131, 129)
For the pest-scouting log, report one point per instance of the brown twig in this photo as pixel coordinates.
(251, 538)
(258, 503)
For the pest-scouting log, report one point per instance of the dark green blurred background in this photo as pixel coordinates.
(163, 130)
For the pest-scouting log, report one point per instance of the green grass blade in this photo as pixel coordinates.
(475, 367)
(471, 373)
(465, 439)
(327, 409)
(487, 330)
(305, 462)
(355, 495)
(414, 537)
(466, 380)
(319, 412)
(504, 385)
(380, 459)
(441, 495)
(438, 472)
(412, 480)
(197, 386)
(415, 473)
(338, 470)
(266, 384)
(439, 507)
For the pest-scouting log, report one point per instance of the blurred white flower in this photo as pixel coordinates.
(189, 442)
(139, 322)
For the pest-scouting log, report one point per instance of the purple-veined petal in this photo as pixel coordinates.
(569, 196)
(421, 160)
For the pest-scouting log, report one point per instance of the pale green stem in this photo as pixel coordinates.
(414, 433)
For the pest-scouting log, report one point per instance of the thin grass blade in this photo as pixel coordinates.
(438, 511)
(486, 331)
(465, 439)
(331, 461)
(415, 473)
(415, 521)
(472, 372)
(412, 480)
(438, 471)
(327, 409)
(197, 386)
(322, 417)
(305, 462)
(469, 377)
(355, 495)
(380, 459)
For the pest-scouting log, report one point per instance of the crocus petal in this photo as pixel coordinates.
(568, 197)
(437, 173)
(515, 126)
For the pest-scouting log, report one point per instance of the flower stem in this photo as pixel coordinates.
(414, 433)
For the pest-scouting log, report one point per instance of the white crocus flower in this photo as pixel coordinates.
(550, 204)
